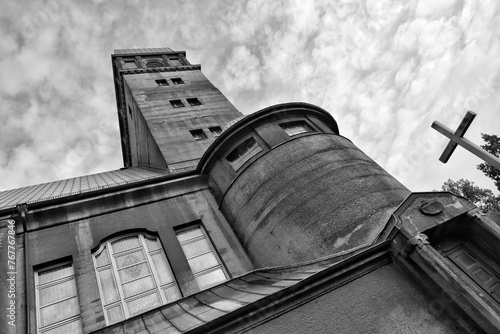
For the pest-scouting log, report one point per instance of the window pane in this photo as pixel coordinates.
(108, 286)
(115, 314)
(162, 267)
(103, 258)
(135, 287)
(295, 128)
(133, 272)
(125, 244)
(55, 273)
(189, 234)
(130, 259)
(203, 262)
(73, 327)
(172, 293)
(153, 244)
(211, 278)
(192, 249)
(57, 292)
(59, 311)
(143, 304)
(243, 152)
(253, 150)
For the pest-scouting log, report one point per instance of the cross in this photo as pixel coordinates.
(457, 139)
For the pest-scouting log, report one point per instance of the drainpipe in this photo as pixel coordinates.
(23, 209)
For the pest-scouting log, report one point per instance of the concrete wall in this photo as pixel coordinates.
(144, 150)
(385, 301)
(312, 196)
(77, 238)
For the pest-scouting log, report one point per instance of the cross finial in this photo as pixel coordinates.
(456, 138)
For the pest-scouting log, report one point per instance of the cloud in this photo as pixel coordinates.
(243, 70)
(384, 69)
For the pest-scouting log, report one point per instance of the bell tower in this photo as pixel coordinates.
(169, 112)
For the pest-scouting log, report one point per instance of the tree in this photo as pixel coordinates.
(482, 198)
(492, 146)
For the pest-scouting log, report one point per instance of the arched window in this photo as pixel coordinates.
(154, 63)
(134, 276)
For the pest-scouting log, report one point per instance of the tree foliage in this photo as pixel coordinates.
(482, 198)
(492, 146)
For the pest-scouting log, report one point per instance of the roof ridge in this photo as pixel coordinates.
(71, 186)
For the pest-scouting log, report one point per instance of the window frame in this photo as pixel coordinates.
(250, 158)
(161, 82)
(193, 101)
(198, 131)
(122, 300)
(38, 287)
(158, 61)
(177, 81)
(216, 131)
(309, 127)
(213, 250)
(177, 103)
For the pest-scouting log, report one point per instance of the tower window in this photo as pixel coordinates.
(162, 82)
(129, 64)
(194, 101)
(216, 131)
(296, 127)
(201, 256)
(154, 63)
(177, 81)
(243, 152)
(176, 103)
(57, 306)
(134, 276)
(198, 134)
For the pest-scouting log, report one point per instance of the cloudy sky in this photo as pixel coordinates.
(385, 70)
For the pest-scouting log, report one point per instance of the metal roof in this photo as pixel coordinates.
(143, 50)
(208, 305)
(73, 186)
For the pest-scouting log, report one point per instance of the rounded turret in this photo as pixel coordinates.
(294, 189)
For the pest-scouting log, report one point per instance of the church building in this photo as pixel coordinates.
(219, 222)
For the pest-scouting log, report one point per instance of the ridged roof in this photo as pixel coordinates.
(142, 50)
(73, 186)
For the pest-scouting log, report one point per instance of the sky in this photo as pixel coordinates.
(385, 70)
